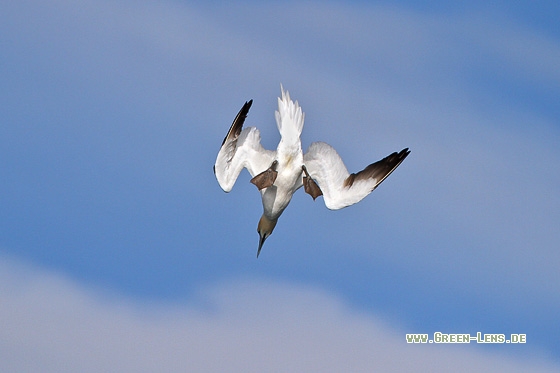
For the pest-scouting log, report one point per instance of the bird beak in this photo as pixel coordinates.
(264, 229)
(261, 242)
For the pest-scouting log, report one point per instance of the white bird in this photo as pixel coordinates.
(278, 174)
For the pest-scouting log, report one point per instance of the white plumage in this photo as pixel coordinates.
(278, 174)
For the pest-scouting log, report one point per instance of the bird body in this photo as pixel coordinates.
(289, 155)
(279, 174)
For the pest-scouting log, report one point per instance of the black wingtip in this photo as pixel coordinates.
(402, 155)
(379, 170)
(237, 124)
(245, 109)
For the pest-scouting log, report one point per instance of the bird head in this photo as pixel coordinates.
(265, 228)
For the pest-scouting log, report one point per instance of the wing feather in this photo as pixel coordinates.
(340, 188)
(240, 149)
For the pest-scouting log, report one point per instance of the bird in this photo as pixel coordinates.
(279, 174)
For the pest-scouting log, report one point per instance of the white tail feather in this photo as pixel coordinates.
(289, 118)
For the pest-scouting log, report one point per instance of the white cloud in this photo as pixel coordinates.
(51, 324)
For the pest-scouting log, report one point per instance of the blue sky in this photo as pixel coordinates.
(118, 249)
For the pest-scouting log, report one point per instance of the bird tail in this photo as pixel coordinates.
(289, 118)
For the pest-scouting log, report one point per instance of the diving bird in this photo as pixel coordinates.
(278, 174)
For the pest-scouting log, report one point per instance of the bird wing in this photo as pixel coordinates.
(339, 187)
(240, 149)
